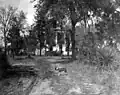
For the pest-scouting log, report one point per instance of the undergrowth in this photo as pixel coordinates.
(107, 76)
(104, 58)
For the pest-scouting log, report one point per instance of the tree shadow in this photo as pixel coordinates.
(56, 60)
(18, 71)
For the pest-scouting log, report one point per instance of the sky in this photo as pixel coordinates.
(24, 5)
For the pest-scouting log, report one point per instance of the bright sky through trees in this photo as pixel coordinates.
(24, 5)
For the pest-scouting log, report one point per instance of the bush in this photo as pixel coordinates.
(101, 57)
(92, 51)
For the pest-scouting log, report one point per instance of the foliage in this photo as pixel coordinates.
(31, 41)
(78, 10)
(40, 24)
(63, 8)
(60, 38)
(91, 53)
(93, 47)
(6, 14)
(15, 39)
(17, 26)
(44, 25)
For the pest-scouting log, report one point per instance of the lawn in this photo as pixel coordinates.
(80, 79)
(17, 84)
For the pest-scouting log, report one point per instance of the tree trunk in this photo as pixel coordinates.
(40, 50)
(5, 42)
(51, 48)
(68, 46)
(45, 51)
(61, 49)
(73, 17)
(68, 52)
(13, 53)
(73, 42)
(29, 56)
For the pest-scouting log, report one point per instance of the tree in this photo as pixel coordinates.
(31, 41)
(43, 25)
(51, 33)
(76, 10)
(107, 32)
(68, 41)
(40, 23)
(6, 14)
(47, 6)
(40, 33)
(14, 37)
(70, 8)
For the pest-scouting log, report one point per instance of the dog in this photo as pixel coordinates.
(60, 69)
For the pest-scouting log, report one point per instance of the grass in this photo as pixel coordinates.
(18, 84)
(90, 79)
(106, 80)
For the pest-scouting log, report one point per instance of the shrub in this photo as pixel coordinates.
(90, 53)
(96, 56)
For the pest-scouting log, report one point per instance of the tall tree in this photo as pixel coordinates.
(6, 14)
(31, 41)
(40, 32)
(43, 23)
(76, 10)
(68, 6)
(17, 26)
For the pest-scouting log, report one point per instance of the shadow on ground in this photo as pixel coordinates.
(80, 79)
